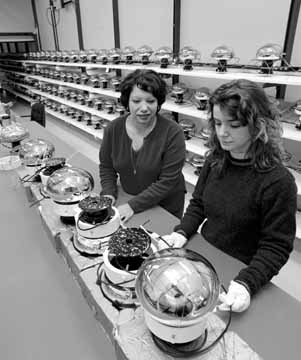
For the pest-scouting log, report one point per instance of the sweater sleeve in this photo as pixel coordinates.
(194, 214)
(107, 173)
(278, 211)
(171, 171)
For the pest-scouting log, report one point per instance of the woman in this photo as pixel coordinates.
(244, 193)
(146, 150)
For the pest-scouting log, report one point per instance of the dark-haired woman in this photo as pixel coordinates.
(245, 195)
(146, 150)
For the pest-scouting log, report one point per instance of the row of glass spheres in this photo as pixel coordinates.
(175, 287)
(164, 55)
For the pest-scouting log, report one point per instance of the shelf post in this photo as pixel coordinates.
(289, 40)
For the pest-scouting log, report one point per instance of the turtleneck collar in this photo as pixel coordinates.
(240, 162)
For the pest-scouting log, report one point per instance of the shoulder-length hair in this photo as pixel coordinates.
(247, 102)
(147, 80)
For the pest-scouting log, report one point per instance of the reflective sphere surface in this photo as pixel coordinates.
(188, 52)
(69, 184)
(202, 93)
(177, 285)
(128, 50)
(269, 52)
(164, 52)
(222, 52)
(34, 151)
(12, 133)
(145, 50)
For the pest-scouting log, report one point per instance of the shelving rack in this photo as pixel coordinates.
(194, 145)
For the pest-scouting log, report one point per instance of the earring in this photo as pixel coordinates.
(158, 108)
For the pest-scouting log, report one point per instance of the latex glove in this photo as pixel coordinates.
(174, 239)
(237, 296)
(110, 197)
(126, 212)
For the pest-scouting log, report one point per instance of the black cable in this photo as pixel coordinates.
(116, 304)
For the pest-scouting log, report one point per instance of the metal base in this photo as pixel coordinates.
(181, 350)
(118, 294)
(89, 250)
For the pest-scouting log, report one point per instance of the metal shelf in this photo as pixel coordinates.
(204, 72)
(84, 108)
(96, 133)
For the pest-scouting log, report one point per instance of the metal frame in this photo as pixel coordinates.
(176, 32)
(79, 25)
(16, 33)
(36, 23)
(116, 23)
(54, 27)
(291, 27)
(116, 28)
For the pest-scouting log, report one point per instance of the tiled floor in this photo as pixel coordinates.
(289, 276)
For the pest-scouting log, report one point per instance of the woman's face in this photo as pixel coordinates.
(232, 136)
(143, 106)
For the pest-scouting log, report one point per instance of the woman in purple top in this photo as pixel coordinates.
(143, 148)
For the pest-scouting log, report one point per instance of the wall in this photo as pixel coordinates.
(243, 25)
(97, 24)
(44, 19)
(146, 22)
(16, 16)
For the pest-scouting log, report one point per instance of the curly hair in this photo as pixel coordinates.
(147, 80)
(247, 102)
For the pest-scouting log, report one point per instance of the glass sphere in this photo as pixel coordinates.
(177, 286)
(34, 152)
(145, 50)
(12, 133)
(187, 124)
(69, 184)
(102, 56)
(178, 88)
(297, 107)
(269, 52)
(114, 54)
(189, 53)
(128, 51)
(115, 81)
(92, 55)
(222, 52)
(197, 161)
(164, 52)
(202, 93)
(74, 55)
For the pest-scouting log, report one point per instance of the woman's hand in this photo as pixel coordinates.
(174, 240)
(126, 212)
(237, 296)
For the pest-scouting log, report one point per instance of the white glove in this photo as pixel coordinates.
(125, 212)
(237, 296)
(174, 239)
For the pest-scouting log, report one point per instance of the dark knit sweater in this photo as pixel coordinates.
(249, 214)
(153, 174)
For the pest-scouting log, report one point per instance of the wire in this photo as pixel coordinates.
(116, 304)
(57, 21)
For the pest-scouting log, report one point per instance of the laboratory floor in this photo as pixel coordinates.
(288, 278)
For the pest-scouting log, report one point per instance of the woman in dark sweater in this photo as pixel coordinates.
(146, 150)
(245, 196)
